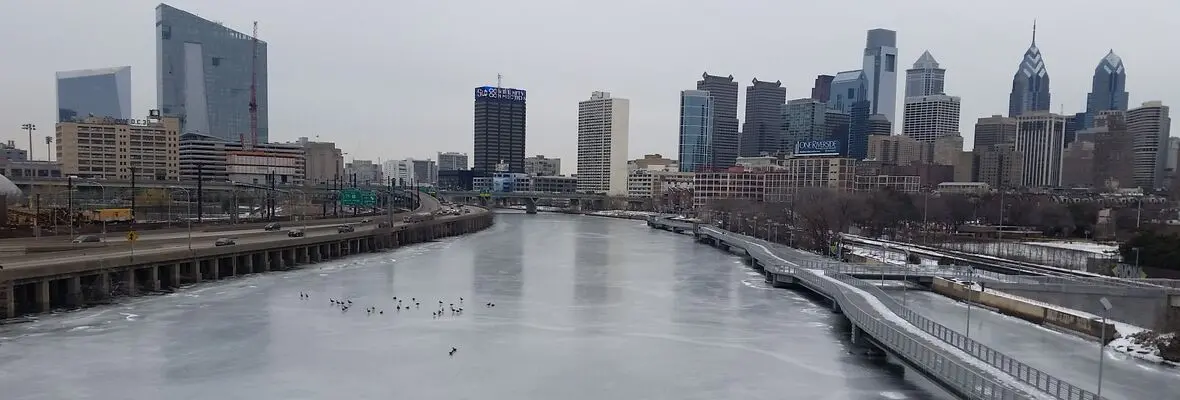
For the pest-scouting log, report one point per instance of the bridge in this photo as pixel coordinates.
(577, 200)
(954, 361)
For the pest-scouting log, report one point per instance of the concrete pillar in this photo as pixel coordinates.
(195, 271)
(74, 291)
(215, 268)
(43, 300)
(174, 274)
(7, 300)
(132, 289)
(154, 278)
(102, 285)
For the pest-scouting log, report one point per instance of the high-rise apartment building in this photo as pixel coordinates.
(1040, 138)
(803, 121)
(1030, 85)
(880, 69)
(926, 78)
(928, 117)
(1108, 91)
(539, 165)
(1150, 127)
(603, 127)
(823, 88)
(105, 148)
(725, 122)
(848, 87)
(103, 93)
(499, 129)
(696, 130)
(994, 130)
(204, 72)
(452, 161)
(761, 131)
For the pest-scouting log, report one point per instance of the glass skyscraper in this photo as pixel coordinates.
(726, 143)
(848, 88)
(203, 75)
(696, 130)
(104, 92)
(499, 129)
(1030, 85)
(1108, 91)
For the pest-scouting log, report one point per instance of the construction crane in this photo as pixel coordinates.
(254, 90)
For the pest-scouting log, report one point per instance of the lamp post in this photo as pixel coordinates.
(30, 127)
(970, 279)
(1106, 306)
(188, 214)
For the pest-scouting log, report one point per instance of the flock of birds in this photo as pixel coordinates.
(345, 305)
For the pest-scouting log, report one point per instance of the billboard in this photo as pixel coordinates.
(818, 148)
(499, 93)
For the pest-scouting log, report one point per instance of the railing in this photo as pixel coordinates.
(1018, 370)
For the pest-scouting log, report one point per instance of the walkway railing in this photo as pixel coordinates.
(935, 360)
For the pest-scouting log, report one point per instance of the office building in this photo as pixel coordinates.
(999, 166)
(9, 152)
(499, 129)
(107, 148)
(879, 125)
(848, 87)
(363, 173)
(1030, 85)
(452, 161)
(1113, 160)
(762, 129)
(803, 121)
(425, 171)
(837, 126)
(945, 150)
(896, 150)
(929, 117)
(823, 88)
(1040, 138)
(880, 69)
(926, 78)
(725, 122)
(1150, 127)
(540, 165)
(1077, 164)
(103, 93)
(603, 134)
(859, 130)
(323, 162)
(1108, 91)
(696, 130)
(994, 130)
(214, 159)
(204, 73)
(402, 171)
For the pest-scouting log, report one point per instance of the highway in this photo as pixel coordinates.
(1069, 357)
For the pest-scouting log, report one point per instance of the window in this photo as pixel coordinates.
(165, 32)
(216, 61)
(890, 62)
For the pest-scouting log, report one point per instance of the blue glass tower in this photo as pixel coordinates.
(102, 92)
(1109, 89)
(848, 87)
(696, 130)
(858, 131)
(1030, 85)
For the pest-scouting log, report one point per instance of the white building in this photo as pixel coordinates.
(929, 117)
(880, 69)
(1149, 126)
(540, 165)
(1040, 137)
(602, 144)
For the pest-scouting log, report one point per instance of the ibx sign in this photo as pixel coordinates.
(818, 148)
(499, 93)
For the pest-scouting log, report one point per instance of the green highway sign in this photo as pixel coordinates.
(357, 197)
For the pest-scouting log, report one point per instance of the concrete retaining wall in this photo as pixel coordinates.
(1134, 305)
(1027, 311)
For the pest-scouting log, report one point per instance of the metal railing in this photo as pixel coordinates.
(1018, 370)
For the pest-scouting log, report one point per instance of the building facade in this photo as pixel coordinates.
(204, 73)
(539, 165)
(1150, 127)
(896, 150)
(653, 162)
(822, 90)
(103, 93)
(9, 152)
(1040, 138)
(994, 130)
(848, 88)
(696, 130)
(364, 173)
(1114, 156)
(323, 162)
(929, 117)
(1108, 91)
(452, 161)
(106, 148)
(1030, 84)
(1000, 166)
(603, 134)
(725, 141)
(214, 159)
(926, 78)
(762, 129)
(425, 171)
(880, 69)
(499, 129)
(803, 121)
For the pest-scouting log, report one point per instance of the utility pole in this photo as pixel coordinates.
(200, 193)
(133, 218)
(48, 148)
(30, 127)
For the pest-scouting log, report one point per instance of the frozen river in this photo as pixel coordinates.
(585, 308)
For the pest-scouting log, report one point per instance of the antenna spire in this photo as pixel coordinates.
(499, 80)
(1034, 42)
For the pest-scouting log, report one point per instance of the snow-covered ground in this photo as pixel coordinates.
(1091, 247)
(623, 214)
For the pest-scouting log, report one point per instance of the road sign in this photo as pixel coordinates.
(132, 236)
(358, 197)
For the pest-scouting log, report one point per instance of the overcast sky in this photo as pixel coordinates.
(394, 79)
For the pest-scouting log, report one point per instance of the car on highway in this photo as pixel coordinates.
(345, 229)
(225, 242)
(87, 239)
(295, 233)
(273, 226)
(366, 220)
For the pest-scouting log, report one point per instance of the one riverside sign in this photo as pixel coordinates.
(818, 147)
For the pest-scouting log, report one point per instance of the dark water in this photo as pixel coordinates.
(585, 308)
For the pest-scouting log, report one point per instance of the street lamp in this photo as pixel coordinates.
(30, 127)
(188, 216)
(1106, 306)
(971, 280)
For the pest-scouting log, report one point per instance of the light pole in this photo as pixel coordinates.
(188, 215)
(1106, 306)
(925, 219)
(30, 127)
(48, 148)
(104, 200)
(1139, 213)
(971, 280)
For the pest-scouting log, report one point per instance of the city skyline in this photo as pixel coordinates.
(979, 70)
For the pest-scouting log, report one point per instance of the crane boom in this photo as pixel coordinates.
(254, 88)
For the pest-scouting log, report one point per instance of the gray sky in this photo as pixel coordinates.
(394, 79)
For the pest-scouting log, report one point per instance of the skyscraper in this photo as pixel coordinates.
(848, 87)
(725, 122)
(499, 129)
(925, 78)
(602, 144)
(1108, 90)
(1030, 85)
(994, 130)
(880, 68)
(823, 88)
(926, 118)
(859, 129)
(1040, 138)
(203, 75)
(1149, 126)
(104, 92)
(803, 121)
(696, 130)
(761, 131)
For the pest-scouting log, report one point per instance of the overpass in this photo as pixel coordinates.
(577, 200)
(952, 360)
